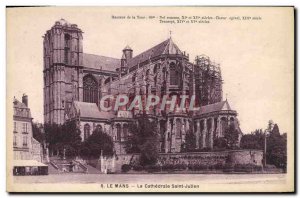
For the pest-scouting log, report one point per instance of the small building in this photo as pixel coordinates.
(27, 151)
(29, 167)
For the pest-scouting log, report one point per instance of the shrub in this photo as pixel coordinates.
(180, 166)
(137, 167)
(167, 167)
(220, 143)
(153, 168)
(206, 149)
(218, 166)
(190, 166)
(196, 167)
(228, 167)
(125, 168)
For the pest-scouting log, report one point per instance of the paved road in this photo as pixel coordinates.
(161, 178)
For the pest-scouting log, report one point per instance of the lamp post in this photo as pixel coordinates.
(265, 148)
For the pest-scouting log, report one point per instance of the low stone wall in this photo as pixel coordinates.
(212, 158)
(246, 157)
(233, 157)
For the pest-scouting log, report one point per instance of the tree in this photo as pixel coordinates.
(37, 133)
(95, 144)
(275, 131)
(190, 142)
(53, 137)
(144, 139)
(63, 137)
(132, 144)
(149, 152)
(231, 136)
(71, 138)
(255, 140)
(277, 148)
(220, 143)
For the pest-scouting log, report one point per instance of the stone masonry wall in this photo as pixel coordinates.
(254, 157)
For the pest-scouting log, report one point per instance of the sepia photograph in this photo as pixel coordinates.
(150, 99)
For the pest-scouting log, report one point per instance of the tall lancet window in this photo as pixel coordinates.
(86, 131)
(90, 89)
(174, 75)
(67, 48)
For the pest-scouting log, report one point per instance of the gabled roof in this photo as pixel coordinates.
(100, 62)
(166, 47)
(219, 106)
(111, 64)
(90, 110)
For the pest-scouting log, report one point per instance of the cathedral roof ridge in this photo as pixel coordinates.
(97, 61)
(100, 55)
(165, 47)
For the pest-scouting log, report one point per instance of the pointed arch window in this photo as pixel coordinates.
(125, 131)
(86, 129)
(148, 75)
(133, 78)
(118, 126)
(90, 89)
(178, 128)
(67, 48)
(174, 75)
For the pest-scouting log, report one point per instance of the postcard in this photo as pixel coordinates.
(150, 99)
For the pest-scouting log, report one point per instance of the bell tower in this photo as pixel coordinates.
(62, 69)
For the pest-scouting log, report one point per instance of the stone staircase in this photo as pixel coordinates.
(59, 166)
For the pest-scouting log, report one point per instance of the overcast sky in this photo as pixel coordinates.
(256, 57)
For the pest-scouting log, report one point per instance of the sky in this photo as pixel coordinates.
(256, 56)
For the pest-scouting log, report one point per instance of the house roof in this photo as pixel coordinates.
(100, 62)
(18, 104)
(219, 106)
(21, 109)
(166, 47)
(91, 110)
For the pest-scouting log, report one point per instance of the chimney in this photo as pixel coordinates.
(25, 99)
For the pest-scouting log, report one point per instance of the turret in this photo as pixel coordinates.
(127, 52)
(123, 61)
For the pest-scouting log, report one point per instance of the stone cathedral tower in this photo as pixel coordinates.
(62, 70)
